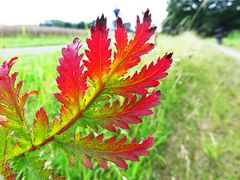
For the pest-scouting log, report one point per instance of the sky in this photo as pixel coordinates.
(16, 12)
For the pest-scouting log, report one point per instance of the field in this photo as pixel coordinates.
(28, 41)
(196, 127)
(24, 36)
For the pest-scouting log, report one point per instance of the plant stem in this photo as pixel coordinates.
(64, 128)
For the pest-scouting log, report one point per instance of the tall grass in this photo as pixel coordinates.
(23, 36)
(196, 127)
(233, 40)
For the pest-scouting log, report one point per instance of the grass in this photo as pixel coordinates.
(196, 127)
(205, 143)
(28, 40)
(233, 40)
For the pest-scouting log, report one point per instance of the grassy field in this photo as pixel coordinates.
(28, 41)
(24, 36)
(196, 127)
(233, 40)
(25, 41)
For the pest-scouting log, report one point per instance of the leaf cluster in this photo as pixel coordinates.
(96, 92)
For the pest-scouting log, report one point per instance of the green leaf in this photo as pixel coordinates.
(30, 167)
(40, 130)
(3, 142)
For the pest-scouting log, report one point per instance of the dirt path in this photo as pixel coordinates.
(29, 50)
(228, 51)
(48, 49)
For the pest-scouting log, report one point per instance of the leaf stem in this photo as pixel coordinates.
(74, 119)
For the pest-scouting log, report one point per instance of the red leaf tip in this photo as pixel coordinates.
(101, 23)
(87, 163)
(76, 40)
(12, 61)
(41, 111)
(158, 93)
(120, 22)
(72, 48)
(153, 29)
(148, 142)
(147, 16)
(3, 123)
(169, 56)
(6, 67)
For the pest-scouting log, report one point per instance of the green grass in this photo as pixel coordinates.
(196, 127)
(27, 40)
(205, 141)
(233, 40)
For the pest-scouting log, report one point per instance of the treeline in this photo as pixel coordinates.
(80, 25)
(63, 24)
(207, 17)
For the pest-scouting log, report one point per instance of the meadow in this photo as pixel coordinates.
(24, 36)
(196, 127)
(29, 41)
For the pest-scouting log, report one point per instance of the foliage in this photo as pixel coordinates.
(207, 17)
(233, 40)
(97, 92)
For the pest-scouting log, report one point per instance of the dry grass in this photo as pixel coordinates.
(36, 30)
(25, 36)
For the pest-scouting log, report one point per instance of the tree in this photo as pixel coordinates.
(207, 17)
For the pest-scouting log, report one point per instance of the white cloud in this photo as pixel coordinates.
(36, 11)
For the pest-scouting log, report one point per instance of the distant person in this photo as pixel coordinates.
(219, 38)
(116, 12)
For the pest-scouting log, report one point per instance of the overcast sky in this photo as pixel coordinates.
(14, 12)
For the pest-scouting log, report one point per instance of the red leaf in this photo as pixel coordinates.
(11, 102)
(118, 152)
(103, 164)
(121, 116)
(98, 54)
(11, 177)
(71, 80)
(129, 55)
(146, 78)
(94, 92)
(121, 39)
(72, 84)
(87, 163)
